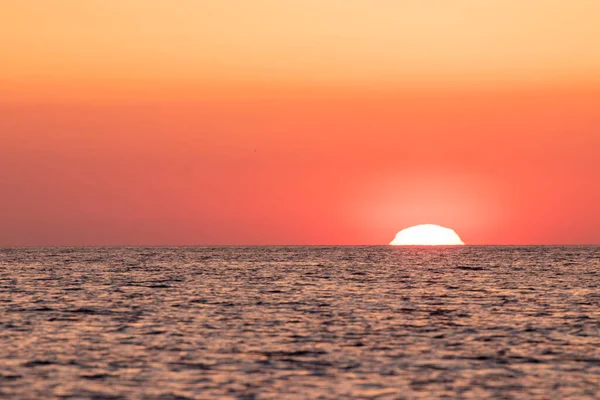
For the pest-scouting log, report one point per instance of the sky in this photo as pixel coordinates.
(153, 122)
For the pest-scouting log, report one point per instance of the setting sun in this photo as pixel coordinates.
(427, 235)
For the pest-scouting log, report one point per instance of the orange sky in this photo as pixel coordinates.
(287, 122)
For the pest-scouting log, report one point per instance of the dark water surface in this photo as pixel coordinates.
(300, 322)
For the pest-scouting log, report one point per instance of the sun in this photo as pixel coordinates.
(427, 235)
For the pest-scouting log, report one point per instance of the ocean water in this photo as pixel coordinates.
(300, 323)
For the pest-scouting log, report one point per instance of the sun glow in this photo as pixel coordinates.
(427, 235)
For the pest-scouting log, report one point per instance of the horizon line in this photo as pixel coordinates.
(292, 245)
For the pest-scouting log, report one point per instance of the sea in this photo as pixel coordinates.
(385, 322)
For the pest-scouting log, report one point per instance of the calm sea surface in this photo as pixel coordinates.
(300, 323)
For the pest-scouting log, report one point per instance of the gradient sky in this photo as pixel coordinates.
(298, 122)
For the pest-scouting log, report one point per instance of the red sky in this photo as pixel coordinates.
(137, 122)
